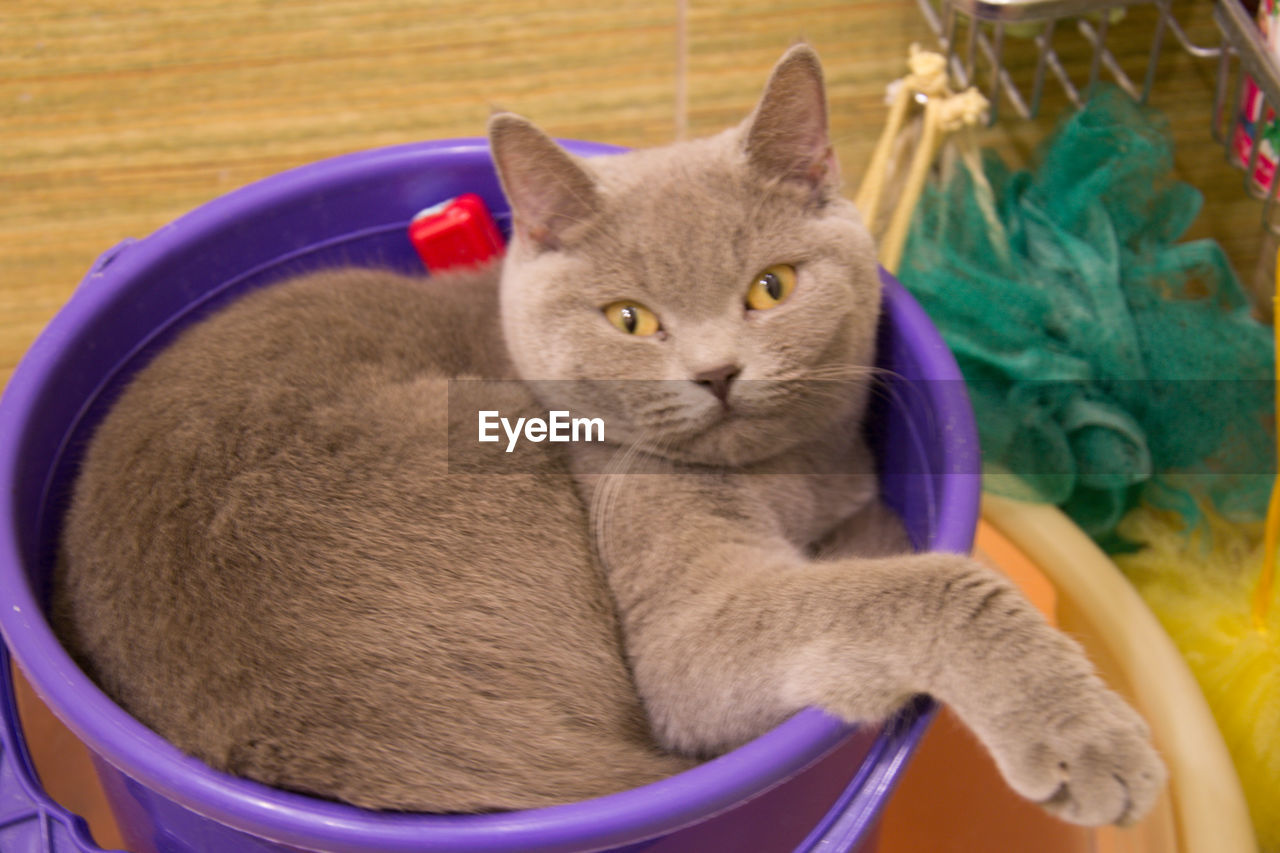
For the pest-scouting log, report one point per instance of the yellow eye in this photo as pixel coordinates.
(632, 318)
(771, 287)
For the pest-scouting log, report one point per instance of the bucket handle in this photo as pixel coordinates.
(26, 811)
(852, 821)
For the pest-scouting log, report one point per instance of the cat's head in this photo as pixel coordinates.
(719, 293)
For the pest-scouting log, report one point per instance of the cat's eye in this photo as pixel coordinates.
(632, 318)
(771, 287)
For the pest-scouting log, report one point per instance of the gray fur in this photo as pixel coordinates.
(266, 561)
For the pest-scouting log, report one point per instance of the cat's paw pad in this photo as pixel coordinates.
(1091, 767)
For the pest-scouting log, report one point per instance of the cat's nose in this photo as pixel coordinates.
(717, 379)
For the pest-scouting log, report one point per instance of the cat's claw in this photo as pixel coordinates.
(1092, 767)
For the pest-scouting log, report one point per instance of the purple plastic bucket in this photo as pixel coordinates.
(811, 784)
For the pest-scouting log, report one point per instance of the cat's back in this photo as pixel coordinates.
(268, 561)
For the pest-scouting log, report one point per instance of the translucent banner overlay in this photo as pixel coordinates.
(1105, 434)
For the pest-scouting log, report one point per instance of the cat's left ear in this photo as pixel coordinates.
(553, 196)
(786, 137)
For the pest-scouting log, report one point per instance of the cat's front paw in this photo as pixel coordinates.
(1090, 764)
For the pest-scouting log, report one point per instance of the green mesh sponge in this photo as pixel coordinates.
(1107, 362)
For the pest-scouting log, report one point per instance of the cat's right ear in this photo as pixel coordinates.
(787, 136)
(553, 197)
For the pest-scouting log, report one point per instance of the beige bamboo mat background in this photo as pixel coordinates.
(117, 117)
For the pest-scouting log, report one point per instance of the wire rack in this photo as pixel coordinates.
(973, 35)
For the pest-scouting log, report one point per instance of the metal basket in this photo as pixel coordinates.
(972, 35)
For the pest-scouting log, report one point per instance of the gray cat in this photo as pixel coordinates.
(269, 560)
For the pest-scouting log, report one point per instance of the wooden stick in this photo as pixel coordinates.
(873, 179)
(896, 237)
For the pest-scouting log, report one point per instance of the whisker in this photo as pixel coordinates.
(605, 495)
(839, 371)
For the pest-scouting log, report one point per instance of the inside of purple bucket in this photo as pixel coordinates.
(183, 280)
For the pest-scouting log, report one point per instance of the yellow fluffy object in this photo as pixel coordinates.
(1199, 584)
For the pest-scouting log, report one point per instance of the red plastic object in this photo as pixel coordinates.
(456, 233)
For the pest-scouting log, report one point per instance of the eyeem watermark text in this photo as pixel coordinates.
(558, 426)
